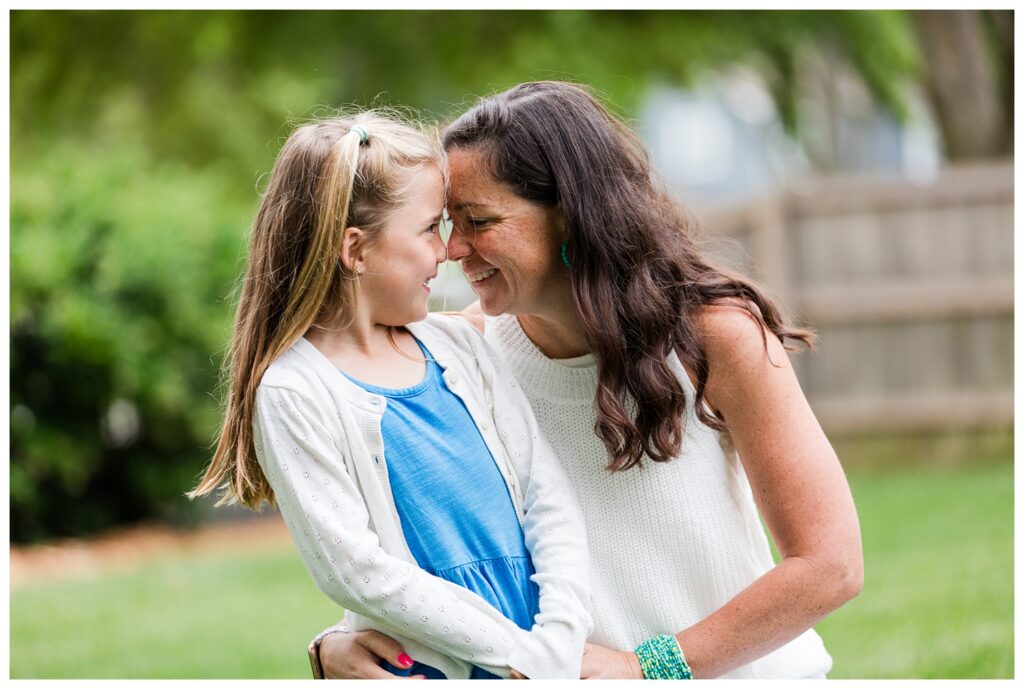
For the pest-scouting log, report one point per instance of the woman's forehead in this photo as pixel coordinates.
(469, 201)
(472, 185)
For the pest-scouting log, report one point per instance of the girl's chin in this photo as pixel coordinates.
(410, 317)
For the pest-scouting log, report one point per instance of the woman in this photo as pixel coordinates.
(664, 386)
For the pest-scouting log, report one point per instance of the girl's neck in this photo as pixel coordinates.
(360, 337)
(370, 353)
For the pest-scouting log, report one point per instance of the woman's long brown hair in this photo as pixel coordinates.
(639, 281)
(324, 180)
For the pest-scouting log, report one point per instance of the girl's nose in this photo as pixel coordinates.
(441, 250)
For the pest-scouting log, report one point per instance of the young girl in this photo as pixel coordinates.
(410, 472)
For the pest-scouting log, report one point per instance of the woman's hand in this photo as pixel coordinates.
(604, 663)
(358, 656)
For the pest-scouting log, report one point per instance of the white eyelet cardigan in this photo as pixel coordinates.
(318, 440)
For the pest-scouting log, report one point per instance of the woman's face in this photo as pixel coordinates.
(508, 247)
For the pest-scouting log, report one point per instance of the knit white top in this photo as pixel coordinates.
(670, 542)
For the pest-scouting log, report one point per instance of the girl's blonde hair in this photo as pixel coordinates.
(325, 178)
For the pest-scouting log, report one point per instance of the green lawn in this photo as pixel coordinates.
(206, 617)
(937, 599)
(938, 587)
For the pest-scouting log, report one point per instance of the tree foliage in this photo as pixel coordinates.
(138, 144)
(197, 85)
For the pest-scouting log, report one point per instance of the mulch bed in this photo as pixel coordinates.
(76, 558)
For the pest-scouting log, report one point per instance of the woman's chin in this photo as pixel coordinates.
(493, 294)
(490, 305)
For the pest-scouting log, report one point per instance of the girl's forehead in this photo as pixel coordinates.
(429, 176)
(422, 187)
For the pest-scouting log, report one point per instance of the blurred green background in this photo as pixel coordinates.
(139, 144)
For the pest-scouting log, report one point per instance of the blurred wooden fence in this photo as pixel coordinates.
(909, 286)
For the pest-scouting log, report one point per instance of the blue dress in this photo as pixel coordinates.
(454, 506)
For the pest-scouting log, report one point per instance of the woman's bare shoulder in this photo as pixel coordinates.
(734, 337)
(745, 359)
(474, 315)
(471, 315)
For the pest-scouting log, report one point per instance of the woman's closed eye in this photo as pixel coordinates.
(477, 223)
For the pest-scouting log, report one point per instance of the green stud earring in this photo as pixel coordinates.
(565, 254)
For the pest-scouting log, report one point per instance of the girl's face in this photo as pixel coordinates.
(405, 254)
(509, 248)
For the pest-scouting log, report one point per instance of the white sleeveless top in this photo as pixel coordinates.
(670, 542)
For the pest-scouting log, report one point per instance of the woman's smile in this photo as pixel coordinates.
(477, 278)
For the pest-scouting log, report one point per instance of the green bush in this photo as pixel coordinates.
(122, 271)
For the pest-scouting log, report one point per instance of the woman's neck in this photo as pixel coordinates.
(557, 336)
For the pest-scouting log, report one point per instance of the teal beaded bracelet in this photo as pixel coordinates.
(661, 658)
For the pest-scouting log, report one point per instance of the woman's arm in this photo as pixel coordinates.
(800, 490)
(357, 655)
(329, 523)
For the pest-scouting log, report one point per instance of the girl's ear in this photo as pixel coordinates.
(353, 242)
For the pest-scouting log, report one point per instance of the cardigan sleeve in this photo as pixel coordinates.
(553, 526)
(330, 525)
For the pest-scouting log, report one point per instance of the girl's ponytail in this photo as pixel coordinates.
(316, 275)
(328, 176)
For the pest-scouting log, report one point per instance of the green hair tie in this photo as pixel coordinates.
(364, 135)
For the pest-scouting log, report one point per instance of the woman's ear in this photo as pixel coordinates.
(353, 243)
(556, 218)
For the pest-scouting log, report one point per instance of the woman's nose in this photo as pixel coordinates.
(458, 247)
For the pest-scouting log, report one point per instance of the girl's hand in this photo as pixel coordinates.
(358, 656)
(604, 663)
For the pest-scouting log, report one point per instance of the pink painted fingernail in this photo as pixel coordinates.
(404, 660)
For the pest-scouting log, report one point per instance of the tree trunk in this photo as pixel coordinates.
(1001, 25)
(963, 84)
